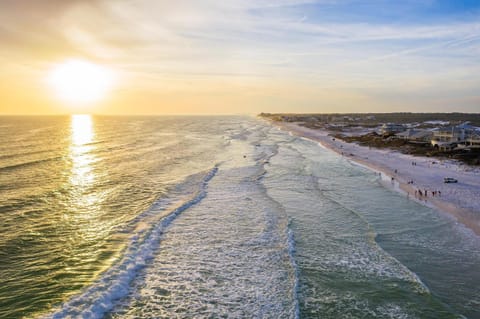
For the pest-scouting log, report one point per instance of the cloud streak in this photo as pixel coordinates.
(254, 42)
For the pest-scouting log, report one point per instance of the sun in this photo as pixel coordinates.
(80, 81)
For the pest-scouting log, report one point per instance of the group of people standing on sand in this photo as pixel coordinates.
(425, 193)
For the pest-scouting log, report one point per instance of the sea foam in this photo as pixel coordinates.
(100, 298)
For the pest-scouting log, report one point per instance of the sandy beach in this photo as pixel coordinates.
(412, 175)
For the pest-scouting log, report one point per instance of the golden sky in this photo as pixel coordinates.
(245, 56)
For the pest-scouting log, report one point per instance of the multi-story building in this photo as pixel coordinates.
(449, 137)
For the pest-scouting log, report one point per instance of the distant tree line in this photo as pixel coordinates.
(371, 118)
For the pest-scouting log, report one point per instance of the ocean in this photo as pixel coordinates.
(214, 217)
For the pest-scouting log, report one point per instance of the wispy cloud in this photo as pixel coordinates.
(329, 44)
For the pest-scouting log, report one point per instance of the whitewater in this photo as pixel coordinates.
(214, 217)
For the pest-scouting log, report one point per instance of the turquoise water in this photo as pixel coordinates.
(161, 217)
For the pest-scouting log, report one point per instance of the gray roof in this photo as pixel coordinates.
(411, 133)
(457, 128)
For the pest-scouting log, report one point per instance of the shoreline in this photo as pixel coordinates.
(399, 168)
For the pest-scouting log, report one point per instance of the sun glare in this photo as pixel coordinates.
(80, 82)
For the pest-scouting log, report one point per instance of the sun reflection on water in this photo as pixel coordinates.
(91, 230)
(82, 135)
(88, 231)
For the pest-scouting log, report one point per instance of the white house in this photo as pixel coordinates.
(391, 128)
(449, 137)
(473, 140)
(453, 134)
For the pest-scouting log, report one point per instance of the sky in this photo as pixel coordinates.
(246, 56)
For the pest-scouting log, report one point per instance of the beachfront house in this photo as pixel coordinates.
(449, 137)
(474, 140)
(391, 129)
(416, 136)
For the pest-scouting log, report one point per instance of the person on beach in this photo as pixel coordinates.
(420, 193)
